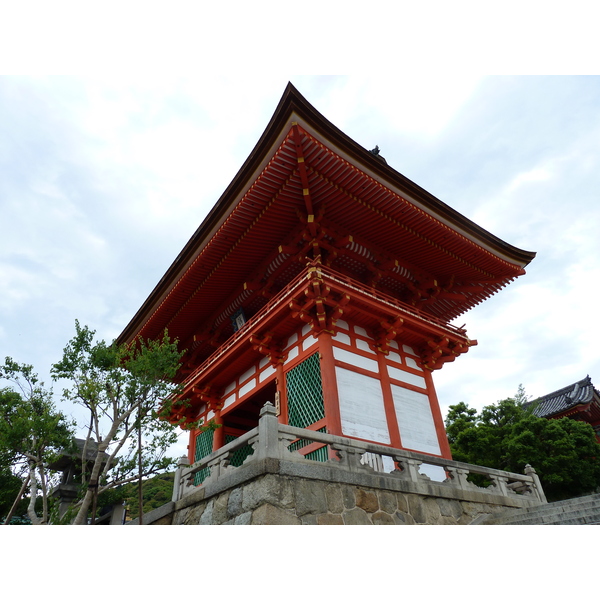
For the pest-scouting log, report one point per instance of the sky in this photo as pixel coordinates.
(105, 179)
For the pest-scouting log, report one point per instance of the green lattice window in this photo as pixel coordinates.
(305, 393)
(237, 457)
(204, 446)
(320, 454)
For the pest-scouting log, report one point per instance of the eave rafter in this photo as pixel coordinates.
(304, 179)
(407, 206)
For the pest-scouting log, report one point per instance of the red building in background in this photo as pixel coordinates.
(325, 282)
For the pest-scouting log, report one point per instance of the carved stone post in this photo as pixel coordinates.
(458, 477)
(268, 434)
(410, 468)
(500, 484)
(216, 467)
(182, 463)
(285, 439)
(350, 458)
(537, 484)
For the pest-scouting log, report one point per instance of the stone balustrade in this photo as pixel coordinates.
(272, 440)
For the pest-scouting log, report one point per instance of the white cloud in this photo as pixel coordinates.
(533, 176)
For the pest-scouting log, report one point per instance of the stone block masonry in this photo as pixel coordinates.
(272, 494)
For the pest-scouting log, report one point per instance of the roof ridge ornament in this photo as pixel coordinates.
(375, 152)
(573, 393)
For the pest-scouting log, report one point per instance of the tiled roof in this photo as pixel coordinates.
(576, 394)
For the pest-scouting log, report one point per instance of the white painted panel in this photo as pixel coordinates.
(308, 342)
(395, 357)
(361, 406)
(356, 359)
(342, 338)
(342, 324)
(247, 374)
(411, 378)
(306, 329)
(246, 388)
(361, 331)
(230, 387)
(292, 354)
(229, 401)
(417, 429)
(267, 373)
(292, 340)
(263, 362)
(408, 350)
(364, 345)
(412, 363)
(394, 344)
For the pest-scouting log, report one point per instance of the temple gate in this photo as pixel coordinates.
(325, 282)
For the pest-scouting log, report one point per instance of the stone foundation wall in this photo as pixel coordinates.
(274, 492)
(277, 500)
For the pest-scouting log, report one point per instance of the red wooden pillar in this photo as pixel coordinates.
(437, 417)
(219, 434)
(192, 446)
(282, 415)
(330, 389)
(388, 402)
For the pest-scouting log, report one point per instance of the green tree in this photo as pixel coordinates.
(126, 390)
(32, 431)
(508, 436)
(10, 487)
(157, 491)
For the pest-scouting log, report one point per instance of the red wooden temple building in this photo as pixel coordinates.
(325, 282)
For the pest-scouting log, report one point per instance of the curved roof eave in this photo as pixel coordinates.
(293, 105)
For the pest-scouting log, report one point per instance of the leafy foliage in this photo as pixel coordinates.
(508, 436)
(125, 389)
(10, 485)
(32, 432)
(157, 491)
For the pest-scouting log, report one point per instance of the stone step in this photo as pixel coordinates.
(560, 518)
(555, 507)
(576, 511)
(547, 510)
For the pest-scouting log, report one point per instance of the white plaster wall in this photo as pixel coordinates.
(356, 360)
(361, 406)
(415, 420)
(406, 377)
